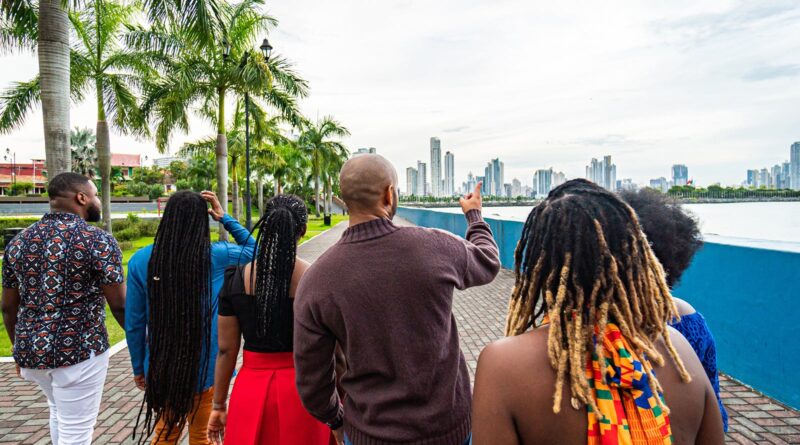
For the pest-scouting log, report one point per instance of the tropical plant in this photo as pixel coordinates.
(84, 152)
(210, 62)
(201, 171)
(98, 62)
(315, 141)
(26, 26)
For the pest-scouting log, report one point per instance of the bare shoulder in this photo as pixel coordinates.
(684, 308)
(516, 357)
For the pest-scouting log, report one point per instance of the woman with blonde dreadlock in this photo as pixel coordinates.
(588, 333)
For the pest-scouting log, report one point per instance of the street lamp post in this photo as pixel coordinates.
(12, 156)
(266, 50)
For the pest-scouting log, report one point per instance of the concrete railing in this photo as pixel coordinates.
(748, 291)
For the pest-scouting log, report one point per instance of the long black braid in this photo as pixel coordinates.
(180, 312)
(283, 224)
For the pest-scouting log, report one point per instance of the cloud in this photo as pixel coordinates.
(772, 72)
(455, 129)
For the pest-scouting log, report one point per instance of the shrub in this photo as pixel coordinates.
(133, 218)
(148, 227)
(129, 234)
(137, 188)
(119, 224)
(126, 245)
(183, 184)
(156, 191)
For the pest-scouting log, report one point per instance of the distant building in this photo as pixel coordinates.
(776, 177)
(516, 187)
(527, 192)
(680, 174)
(494, 174)
(752, 178)
(422, 173)
(470, 184)
(449, 174)
(794, 160)
(763, 178)
(507, 190)
(560, 178)
(411, 181)
(786, 174)
(165, 161)
(126, 163)
(627, 184)
(365, 150)
(23, 173)
(436, 167)
(602, 173)
(661, 184)
(543, 182)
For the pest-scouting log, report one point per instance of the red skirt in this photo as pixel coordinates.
(265, 407)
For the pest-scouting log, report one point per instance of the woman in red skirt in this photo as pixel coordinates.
(256, 303)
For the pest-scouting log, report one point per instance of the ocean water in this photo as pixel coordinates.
(774, 221)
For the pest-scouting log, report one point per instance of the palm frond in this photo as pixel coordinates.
(202, 146)
(22, 17)
(16, 102)
(122, 108)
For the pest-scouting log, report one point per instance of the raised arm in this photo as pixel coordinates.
(246, 244)
(481, 261)
(136, 314)
(314, 361)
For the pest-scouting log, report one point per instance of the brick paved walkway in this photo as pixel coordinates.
(480, 313)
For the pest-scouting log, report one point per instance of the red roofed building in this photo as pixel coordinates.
(32, 173)
(126, 162)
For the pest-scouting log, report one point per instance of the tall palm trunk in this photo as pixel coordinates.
(260, 187)
(316, 184)
(237, 211)
(222, 162)
(53, 49)
(278, 186)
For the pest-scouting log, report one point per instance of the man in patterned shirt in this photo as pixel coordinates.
(57, 276)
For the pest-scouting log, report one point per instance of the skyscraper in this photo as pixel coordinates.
(436, 167)
(449, 174)
(680, 174)
(422, 174)
(516, 188)
(495, 172)
(542, 182)
(752, 178)
(470, 184)
(786, 173)
(602, 173)
(794, 160)
(661, 184)
(365, 150)
(411, 181)
(776, 175)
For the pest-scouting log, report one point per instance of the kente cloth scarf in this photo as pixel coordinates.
(629, 413)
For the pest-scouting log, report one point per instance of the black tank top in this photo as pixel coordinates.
(234, 302)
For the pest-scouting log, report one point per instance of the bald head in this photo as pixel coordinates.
(365, 181)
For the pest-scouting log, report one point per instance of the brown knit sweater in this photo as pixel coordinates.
(385, 293)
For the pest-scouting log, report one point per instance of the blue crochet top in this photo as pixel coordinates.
(695, 329)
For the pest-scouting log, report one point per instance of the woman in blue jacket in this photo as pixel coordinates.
(171, 314)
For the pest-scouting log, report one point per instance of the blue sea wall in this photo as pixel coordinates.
(748, 291)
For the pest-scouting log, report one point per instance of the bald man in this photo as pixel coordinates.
(385, 293)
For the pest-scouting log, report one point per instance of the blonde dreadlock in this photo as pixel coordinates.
(584, 262)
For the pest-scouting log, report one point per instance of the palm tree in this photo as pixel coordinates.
(97, 61)
(113, 72)
(333, 162)
(316, 143)
(24, 26)
(84, 151)
(202, 73)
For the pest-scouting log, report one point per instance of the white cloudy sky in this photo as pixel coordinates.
(712, 84)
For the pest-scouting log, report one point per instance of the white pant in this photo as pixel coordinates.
(73, 393)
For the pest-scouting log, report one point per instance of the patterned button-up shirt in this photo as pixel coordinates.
(58, 265)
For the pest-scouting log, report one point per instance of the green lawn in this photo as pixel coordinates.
(115, 332)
